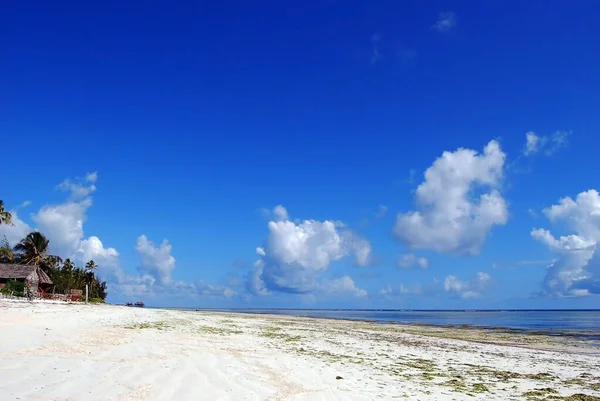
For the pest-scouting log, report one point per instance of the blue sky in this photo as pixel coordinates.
(190, 124)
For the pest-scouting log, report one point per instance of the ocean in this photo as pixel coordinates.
(527, 320)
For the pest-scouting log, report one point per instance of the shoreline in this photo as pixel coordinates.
(479, 334)
(592, 336)
(109, 352)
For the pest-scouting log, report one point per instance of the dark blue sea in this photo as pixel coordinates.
(527, 320)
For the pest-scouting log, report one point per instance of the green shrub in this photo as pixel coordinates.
(15, 287)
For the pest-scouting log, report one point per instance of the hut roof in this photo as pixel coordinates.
(12, 271)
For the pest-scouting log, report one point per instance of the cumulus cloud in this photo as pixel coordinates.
(408, 260)
(576, 269)
(294, 255)
(80, 188)
(212, 290)
(256, 284)
(156, 260)
(451, 218)
(280, 213)
(445, 23)
(341, 286)
(63, 225)
(130, 286)
(545, 144)
(15, 232)
(467, 289)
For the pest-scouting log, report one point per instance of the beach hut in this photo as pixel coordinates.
(31, 275)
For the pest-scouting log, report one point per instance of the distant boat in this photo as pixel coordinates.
(139, 304)
(128, 304)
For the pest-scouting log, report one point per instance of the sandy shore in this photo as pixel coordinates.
(84, 352)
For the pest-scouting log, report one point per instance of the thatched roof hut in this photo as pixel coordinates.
(31, 275)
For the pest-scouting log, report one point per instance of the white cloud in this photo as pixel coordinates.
(25, 203)
(256, 284)
(452, 284)
(15, 232)
(148, 286)
(91, 177)
(280, 213)
(294, 255)
(342, 286)
(360, 249)
(446, 22)
(567, 243)
(546, 144)
(576, 270)
(450, 217)
(92, 248)
(408, 260)
(80, 188)
(531, 144)
(62, 224)
(156, 260)
(129, 286)
(229, 293)
(213, 290)
(467, 289)
(390, 292)
(381, 211)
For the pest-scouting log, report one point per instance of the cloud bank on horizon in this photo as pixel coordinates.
(458, 205)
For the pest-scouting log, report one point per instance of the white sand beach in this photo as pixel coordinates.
(54, 351)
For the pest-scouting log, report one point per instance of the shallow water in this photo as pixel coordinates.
(537, 320)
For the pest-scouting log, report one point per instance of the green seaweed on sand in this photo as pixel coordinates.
(545, 395)
(281, 336)
(426, 365)
(540, 392)
(456, 384)
(480, 388)
(217, 330)
(505, 376)
(147, 325)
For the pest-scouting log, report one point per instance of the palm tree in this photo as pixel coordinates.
(67, 271)
(6, 253)
(5, 216)
(33, 250)
(89, 274)
(90, 266)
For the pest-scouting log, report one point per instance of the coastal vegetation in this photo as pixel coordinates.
(5, 216)
(34, 249)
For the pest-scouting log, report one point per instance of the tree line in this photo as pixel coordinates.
(66, 276)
